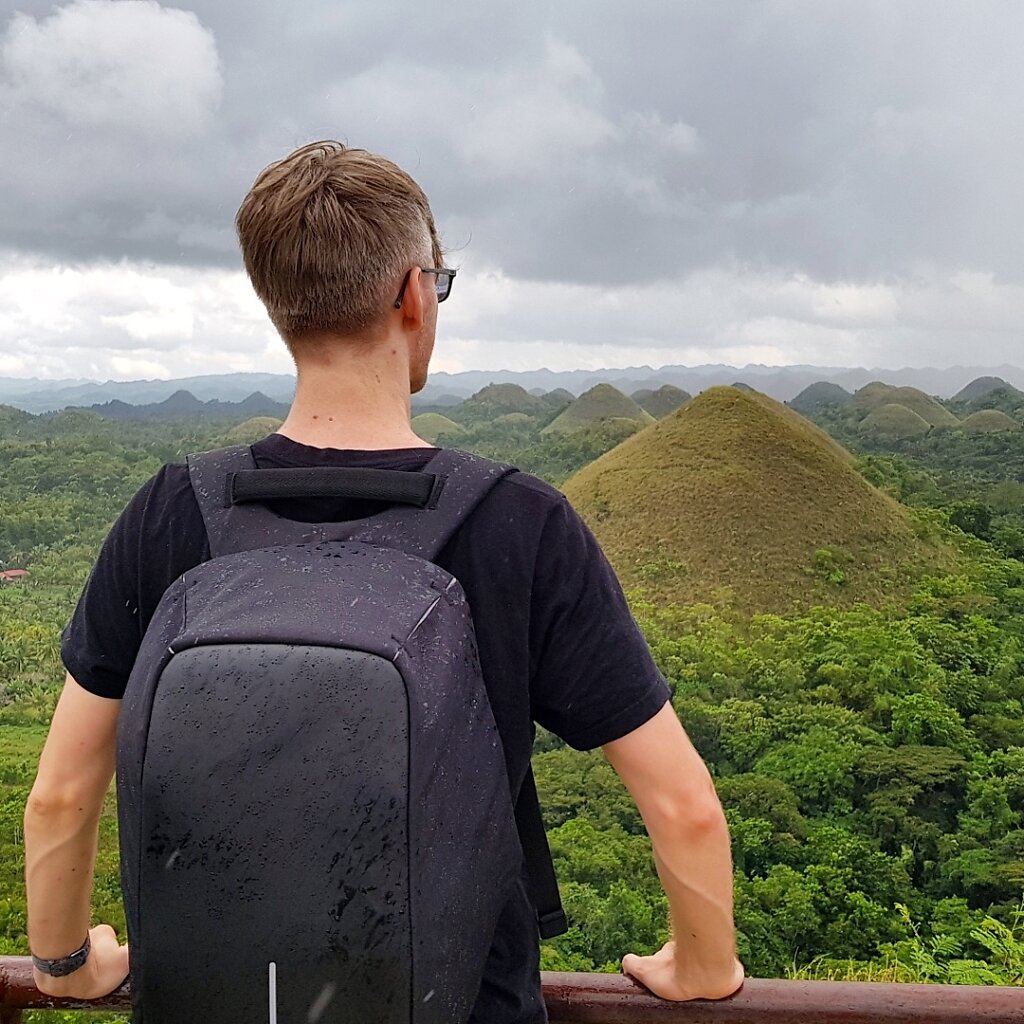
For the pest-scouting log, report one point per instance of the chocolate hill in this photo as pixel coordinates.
(1000, 396)
(876, 394)
(737, 498)
(432, 425)
(663, 401)
(599, 406)
(980, 387)
(254, 429)
(895, 420)
(989, 421)
(818, 395)
(497, 400)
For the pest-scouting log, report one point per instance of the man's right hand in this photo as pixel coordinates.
(690, 842)
(667, 978)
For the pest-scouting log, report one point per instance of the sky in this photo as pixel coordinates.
(829, 182)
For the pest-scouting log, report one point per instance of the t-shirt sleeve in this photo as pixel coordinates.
(143, 553)
(593, 680)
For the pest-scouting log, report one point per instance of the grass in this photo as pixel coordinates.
(736, 493)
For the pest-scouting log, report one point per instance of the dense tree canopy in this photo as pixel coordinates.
(871, 761)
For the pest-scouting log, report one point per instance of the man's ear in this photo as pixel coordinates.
(412, 308)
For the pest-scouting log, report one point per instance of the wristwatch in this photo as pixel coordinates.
(65, 965)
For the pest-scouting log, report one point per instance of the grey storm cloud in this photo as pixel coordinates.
(579, 142)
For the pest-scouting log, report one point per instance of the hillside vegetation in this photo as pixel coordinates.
(737, 498)
(870, 760)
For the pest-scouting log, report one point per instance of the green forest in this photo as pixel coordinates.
(840, 616)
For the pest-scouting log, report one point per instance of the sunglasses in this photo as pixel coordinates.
(443, 277)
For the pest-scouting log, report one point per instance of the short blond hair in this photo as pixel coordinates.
(326, 234)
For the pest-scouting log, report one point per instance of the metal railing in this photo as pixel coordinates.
(612, 999)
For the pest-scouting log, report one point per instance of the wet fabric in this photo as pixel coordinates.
(557, 642)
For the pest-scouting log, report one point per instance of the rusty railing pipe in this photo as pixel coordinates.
(613, 999)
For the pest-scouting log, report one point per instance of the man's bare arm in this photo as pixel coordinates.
(61, 824)
(677, 800)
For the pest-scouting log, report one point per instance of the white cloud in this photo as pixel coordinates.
(677, 137)
(114, 65)
(13, 366)
(792, 182)
(130, 368)
(533, 118)
(134, 319)
(101, 320)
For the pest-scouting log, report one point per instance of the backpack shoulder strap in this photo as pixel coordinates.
(462, 481)
(542, 884)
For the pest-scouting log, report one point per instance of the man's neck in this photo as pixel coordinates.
(352, 395)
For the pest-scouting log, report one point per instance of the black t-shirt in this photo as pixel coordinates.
(557, 642)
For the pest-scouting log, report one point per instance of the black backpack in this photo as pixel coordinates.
(314, 808)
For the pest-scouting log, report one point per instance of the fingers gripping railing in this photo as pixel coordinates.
(612, 999)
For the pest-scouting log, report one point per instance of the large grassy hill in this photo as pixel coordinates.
(601, 404)
(737, 497)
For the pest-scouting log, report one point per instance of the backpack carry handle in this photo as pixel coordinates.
(426, 506)
(391, 485)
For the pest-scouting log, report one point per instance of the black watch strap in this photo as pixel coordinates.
(66, 964)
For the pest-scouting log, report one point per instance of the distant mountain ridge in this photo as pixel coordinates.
(48, 396)
(782, 383)
(184, 405)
